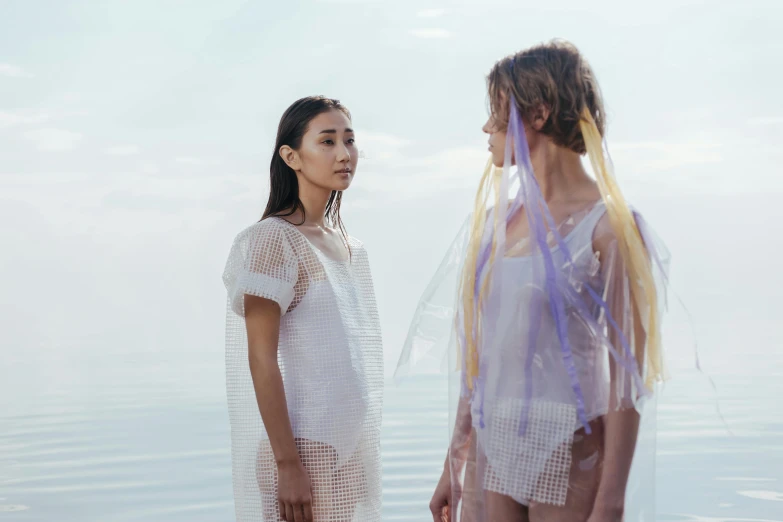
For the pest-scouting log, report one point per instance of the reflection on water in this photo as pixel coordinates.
(146, 438)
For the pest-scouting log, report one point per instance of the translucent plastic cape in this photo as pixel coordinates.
(561, 338)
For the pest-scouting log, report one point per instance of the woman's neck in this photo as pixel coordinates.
(314, 200)
(559, 173)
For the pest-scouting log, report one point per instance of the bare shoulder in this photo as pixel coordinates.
(604, 236)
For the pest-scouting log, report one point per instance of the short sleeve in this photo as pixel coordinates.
(262, 263)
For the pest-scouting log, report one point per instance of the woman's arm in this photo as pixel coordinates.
(621, 426)
(262, 319)
(447, 493)
(460, 439)
(621, 430)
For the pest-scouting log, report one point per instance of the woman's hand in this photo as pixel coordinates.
(444, 498)
(295, 497)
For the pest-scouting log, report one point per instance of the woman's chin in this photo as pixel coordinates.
(497, 158)
(342, 185)
(336, 184)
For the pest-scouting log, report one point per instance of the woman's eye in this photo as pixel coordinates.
(328, 142)
(351, 141)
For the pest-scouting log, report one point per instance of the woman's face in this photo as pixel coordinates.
(328, 155)
(497, 142)
(497, 135)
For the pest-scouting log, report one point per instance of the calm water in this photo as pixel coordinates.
(132, 438)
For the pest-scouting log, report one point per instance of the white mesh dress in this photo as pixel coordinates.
(331, 359)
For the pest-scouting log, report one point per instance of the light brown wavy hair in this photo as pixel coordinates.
(555, 75)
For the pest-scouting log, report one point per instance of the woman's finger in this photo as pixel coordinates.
(445, 514)
(298, 513)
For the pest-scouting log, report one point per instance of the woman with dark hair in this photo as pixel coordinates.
(304, 356)
(556, 315)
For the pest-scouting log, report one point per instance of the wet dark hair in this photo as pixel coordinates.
(283, 184)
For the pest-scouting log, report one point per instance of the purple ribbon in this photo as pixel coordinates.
(534, 205)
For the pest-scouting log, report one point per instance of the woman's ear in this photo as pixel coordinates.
(291, 157)
(539, 117)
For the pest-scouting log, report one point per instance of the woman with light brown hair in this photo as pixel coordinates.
(557, 314)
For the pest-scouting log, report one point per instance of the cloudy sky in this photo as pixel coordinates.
(135, 139)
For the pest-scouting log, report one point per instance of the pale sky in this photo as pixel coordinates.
(135, 139)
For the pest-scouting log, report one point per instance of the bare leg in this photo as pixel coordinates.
(587, 459)
(336, 491)
(349, 487)
(502, 508)
(485, 506)
(320, 461)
